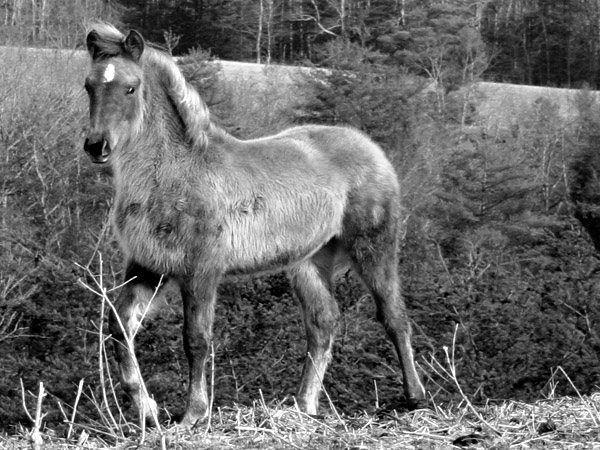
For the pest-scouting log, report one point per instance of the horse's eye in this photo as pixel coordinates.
(131, 90)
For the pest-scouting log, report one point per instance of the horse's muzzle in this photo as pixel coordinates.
(98, 151)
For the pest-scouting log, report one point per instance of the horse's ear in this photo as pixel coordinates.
(134, 45)
(92, 43)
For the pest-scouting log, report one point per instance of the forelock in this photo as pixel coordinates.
(109, 40)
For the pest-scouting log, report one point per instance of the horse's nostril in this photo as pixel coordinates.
(97, 150)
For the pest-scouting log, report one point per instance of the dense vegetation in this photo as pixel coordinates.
(494, 263)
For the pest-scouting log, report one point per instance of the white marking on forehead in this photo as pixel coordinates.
(109, 73)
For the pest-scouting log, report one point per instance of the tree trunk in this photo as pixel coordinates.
(259, 32)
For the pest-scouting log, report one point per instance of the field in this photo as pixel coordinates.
(499, 279)
(501, 103)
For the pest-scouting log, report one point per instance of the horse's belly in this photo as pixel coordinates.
(274, 240)
(262, 257)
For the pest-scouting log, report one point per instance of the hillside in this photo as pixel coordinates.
(503, 105)
(499, 105)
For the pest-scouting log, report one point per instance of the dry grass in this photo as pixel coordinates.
(562, 423)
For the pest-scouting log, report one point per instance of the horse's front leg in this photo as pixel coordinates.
(131, 306)
(198, 297)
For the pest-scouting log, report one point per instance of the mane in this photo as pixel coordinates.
(191, 108)
(193, 111)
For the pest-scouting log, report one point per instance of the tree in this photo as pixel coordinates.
(48, 23)
(543, 42)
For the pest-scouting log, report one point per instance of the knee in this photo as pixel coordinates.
(322, 324)
(120, 318)
(131, 387)
(196, 344)
(325, 315)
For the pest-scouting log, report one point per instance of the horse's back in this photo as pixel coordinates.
(362, 162)
(347, 151)
(346, 146)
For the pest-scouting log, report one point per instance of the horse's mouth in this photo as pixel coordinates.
(99, 160)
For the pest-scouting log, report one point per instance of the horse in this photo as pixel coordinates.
(195, 205)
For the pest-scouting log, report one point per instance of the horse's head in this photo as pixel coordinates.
(114, 87)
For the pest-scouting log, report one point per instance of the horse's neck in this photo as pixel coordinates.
(161, 154)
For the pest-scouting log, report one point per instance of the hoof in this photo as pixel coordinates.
(192, 421)
(149, 422)
(403, 405)
(148, 411)
(416, 403)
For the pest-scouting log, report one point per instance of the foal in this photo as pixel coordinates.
(193, 204)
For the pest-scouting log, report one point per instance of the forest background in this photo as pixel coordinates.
(493, 262)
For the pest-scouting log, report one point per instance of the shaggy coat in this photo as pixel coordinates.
(193, 204)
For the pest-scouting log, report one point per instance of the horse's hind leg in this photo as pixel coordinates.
(313, 284)
(131, 306)
(376, 261)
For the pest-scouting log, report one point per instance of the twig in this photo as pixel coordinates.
(79, 390)
(35, 435)
(585, 402)
(212, 389)
(101, 347)
(23, 401)
(453, 375)
(103, 293)
(327, 395)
